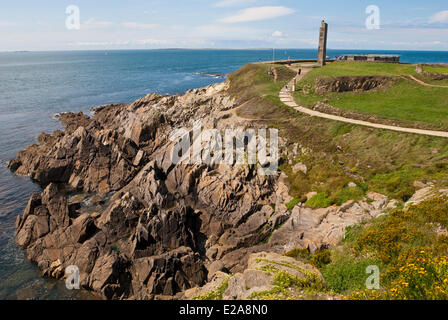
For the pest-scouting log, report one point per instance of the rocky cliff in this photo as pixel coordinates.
(138, 226)
(352, 83)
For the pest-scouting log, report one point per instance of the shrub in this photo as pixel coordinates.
(299, 254)
(291, 204)
(414, 255)
(215, 294)
(346, 274)
(321, 258)
(320, 200)
(347, 194)
(419, 275)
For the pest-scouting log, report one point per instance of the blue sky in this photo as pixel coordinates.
(146, 24)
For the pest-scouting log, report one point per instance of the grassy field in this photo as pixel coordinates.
(440, 70)
(431, 69)
(255, 88)
(359, 69)
(443, 82)
(406, 245)
(376, 160)
(405, 100)
(411, 255)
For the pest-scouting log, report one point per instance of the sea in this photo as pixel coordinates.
(35, 86)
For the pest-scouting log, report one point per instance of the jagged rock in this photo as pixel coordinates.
(259, 279)
(143, 220)
(309, 195)
(424, 194)
(300, 167)
(218, 280)
(214, 268)
(323, 228)
(139, 226)
(167, 274)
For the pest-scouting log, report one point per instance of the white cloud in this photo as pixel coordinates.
(99, 43)
(441, 16)
(121, 43)
(232, 3)
(92, 23)
(258, 13)
(152, 42)
(8, 24)
(225, 32)
(277, 34)
(136, 25)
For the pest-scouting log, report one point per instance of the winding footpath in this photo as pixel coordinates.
(286, 97)
(426, 84)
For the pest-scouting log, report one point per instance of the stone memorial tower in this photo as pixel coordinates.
(322, 55)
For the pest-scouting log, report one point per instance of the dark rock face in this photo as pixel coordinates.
(346, 83)
(161, 224)
(152, 229)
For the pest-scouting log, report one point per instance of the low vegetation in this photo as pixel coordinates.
(408, 246)
(338, 69)
(433, 69)
(438, 75)
(287, 286)
(405, 101)
(411, 246)
(337, 154)
(215, 294)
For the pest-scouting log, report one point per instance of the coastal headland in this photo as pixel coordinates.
(140, 227)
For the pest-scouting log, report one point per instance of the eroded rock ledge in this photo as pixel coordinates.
(352, 83)
(139, 227)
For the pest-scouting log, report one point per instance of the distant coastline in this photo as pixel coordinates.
(221, 49)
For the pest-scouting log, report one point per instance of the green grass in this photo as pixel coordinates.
(347, 194)
(323, 200)
(434, 70)
(346, 274)
(257, 90)
(443, 82)
(391, 243)
(411, 254)
(320, 200)
(339, 69)
(376, 160)
(406, 247)
(291, 204)
(431, 69)
(405, 100)
(215, 294)
(287, 286)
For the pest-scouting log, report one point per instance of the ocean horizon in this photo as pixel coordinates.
(216, 49)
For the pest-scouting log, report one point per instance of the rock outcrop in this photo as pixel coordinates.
(139, 226)
(346, 83)
(267, 276)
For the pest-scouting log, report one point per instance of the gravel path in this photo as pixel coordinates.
(427, 84)
(286, 98)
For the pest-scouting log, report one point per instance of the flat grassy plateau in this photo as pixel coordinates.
(406, 245)
(405, 101)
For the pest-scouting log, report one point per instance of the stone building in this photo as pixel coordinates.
(372, 58)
